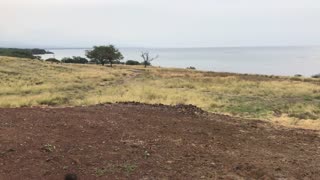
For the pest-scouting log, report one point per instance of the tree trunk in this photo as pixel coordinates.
(110, 63)
(100, 61)
(145, 64)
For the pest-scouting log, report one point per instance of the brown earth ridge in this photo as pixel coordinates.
(141, 141)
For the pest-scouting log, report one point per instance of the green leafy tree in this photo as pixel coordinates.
(104, 54)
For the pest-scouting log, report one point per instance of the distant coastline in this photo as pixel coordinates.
(23, 53)
(270, 60)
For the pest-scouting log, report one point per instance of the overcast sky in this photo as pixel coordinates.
(159, 23)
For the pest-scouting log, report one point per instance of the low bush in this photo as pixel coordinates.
(75, 60)
(191, 67)
(132, 62)
(316, 76)
(53, 60)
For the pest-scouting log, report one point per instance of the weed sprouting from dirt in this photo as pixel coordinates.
(115, 168)
(129, 168)
(101, 172)
(48, 147)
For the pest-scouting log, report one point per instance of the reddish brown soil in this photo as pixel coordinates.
(136, 141)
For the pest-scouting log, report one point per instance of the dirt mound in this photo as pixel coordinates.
(183, 108)
(140, 141)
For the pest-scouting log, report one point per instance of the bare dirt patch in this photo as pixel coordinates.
(139, 141)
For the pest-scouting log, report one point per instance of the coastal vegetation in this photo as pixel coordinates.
(40, 51)
(23, 53)
(293, 101)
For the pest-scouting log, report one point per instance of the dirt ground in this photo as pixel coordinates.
(138, 141)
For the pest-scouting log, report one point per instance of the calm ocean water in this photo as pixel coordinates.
(256, 60)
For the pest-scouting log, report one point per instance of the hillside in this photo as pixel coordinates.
(293, 101)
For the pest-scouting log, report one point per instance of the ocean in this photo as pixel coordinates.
(286, 61)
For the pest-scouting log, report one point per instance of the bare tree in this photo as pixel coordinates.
(147, 59)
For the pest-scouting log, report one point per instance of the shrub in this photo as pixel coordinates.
(75, 60)
(297, 75)
(316, 76)
(191, 67)
(132, 62)
(53, 60)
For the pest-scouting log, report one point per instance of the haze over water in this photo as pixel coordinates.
(253, 60)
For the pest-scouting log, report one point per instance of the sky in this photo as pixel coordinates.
(159, 23)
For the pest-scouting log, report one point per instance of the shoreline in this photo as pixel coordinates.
(251, 61)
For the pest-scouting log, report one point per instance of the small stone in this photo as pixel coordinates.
(213, 164)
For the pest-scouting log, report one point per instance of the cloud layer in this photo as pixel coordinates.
(159, 23)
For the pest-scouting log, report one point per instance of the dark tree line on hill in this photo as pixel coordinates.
(40, 51)
(22, 53)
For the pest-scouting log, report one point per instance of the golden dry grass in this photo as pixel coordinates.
(284, 100)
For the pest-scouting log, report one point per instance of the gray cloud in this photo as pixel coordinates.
(159, 23)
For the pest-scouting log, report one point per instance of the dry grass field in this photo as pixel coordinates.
(292, 101)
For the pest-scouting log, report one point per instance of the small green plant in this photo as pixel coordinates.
(48, 147)
(129, 168)
(101, 172)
